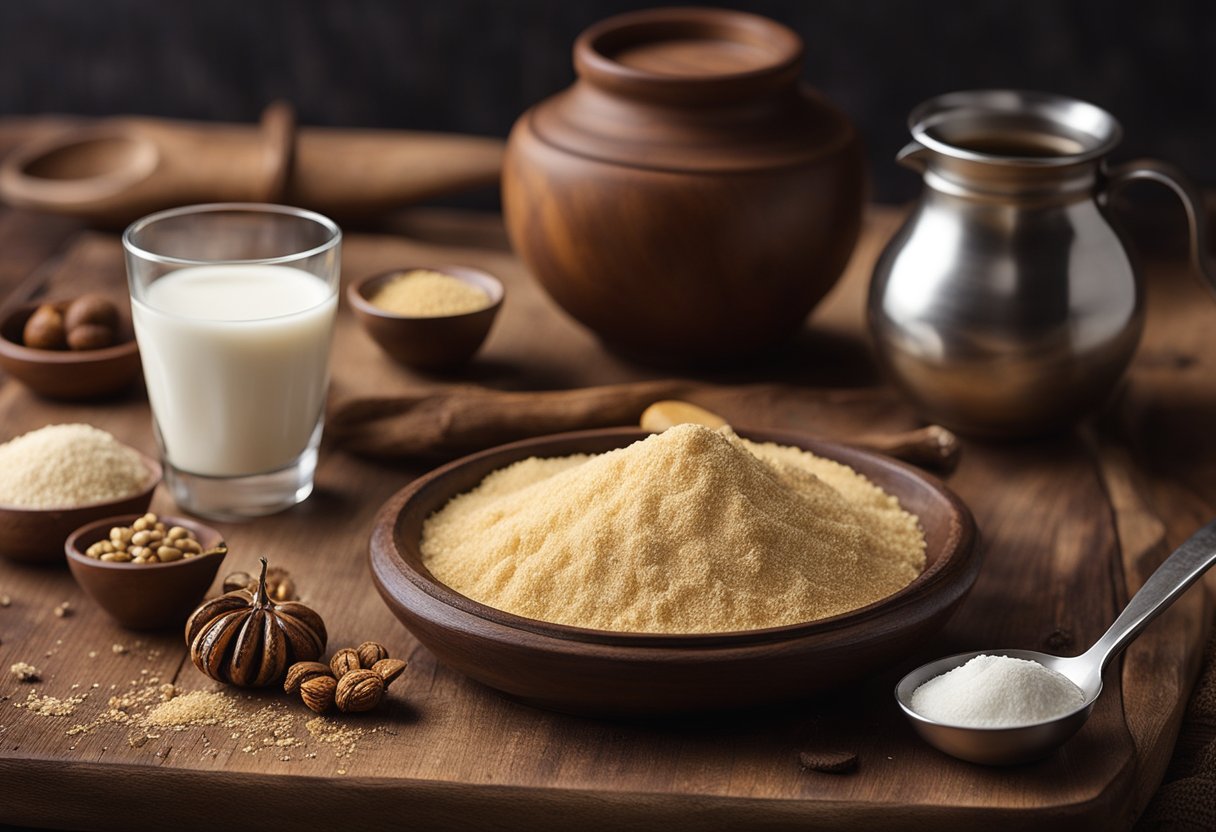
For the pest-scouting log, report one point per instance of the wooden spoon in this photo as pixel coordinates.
(932, 446)
(116, 170)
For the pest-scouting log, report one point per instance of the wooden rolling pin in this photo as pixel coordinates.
(460, 420)
(114, 171)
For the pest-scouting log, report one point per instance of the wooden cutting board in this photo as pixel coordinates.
(1071, 527)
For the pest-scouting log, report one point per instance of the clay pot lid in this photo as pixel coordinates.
(690, 89)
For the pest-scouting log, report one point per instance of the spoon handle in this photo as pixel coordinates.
(1181, 569)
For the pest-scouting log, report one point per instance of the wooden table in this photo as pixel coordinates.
(1072, 526)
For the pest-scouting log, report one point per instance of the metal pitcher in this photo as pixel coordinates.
(1007, 305)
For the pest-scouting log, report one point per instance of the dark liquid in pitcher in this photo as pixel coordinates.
(1023, 145)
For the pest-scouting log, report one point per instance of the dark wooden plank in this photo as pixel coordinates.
(448, 751)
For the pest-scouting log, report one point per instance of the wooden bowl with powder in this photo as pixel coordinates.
(428, 318)
(606, 672)
(34, 532)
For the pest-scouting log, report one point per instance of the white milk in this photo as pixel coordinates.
(236, 360)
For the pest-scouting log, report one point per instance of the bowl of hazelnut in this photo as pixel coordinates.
(79, 348)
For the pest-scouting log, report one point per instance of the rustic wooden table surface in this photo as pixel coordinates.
(1072, 526)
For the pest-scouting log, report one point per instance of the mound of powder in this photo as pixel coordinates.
(689, 531)
(427, 294)
(68, 465)
(997, 692)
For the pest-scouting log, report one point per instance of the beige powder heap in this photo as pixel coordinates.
(427, 294)
(68, 465)
(689, 531)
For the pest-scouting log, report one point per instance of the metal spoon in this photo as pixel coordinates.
(1005, 746)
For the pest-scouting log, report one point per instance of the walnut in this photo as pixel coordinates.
(359, 690)
(344, 661)
(389, 669)
(318, 693)
(301, 672)
(370, 652)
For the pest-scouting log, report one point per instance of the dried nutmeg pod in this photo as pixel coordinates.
(371, 652)
(246, 639)
(301, 672)
(318, 693)
(359, 690)
(344, 661)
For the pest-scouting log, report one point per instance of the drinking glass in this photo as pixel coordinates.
(233, 306)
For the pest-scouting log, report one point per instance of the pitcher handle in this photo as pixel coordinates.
(1174, 179)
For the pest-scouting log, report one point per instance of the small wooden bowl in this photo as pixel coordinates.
(432, 343)
(144, 596)
(604, 673)
(68, 375)
(36, 535)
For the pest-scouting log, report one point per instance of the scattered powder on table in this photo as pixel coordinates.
(689, 531)
(68, 465)
(195, 708)
(428, 294)
(997, 692)
(51, 705)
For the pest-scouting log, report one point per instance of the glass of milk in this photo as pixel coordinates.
(233, 306)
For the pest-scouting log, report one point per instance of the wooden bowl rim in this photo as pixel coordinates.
(34, 355)
(201, 531)
(959, 551)
(156, 473)
(357, 292)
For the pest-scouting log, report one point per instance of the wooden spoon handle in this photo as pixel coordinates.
(458, 420)
(929, 447)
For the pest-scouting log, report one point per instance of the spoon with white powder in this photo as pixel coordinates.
(1014, 706)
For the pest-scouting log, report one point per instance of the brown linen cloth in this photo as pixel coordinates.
(1187, 797)
(451, 421)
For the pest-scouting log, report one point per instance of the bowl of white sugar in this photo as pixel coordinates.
(60, 477)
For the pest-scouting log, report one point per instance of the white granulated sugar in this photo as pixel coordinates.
(68, 465)
(997, 692)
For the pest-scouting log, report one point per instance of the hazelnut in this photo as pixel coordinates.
(45, 329)
(91, 309)
(90, 337)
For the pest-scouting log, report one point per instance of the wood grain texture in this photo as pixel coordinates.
(448, 752)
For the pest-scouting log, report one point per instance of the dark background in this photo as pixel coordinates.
(474, 65)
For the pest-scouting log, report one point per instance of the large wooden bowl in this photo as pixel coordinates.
(603, 673)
